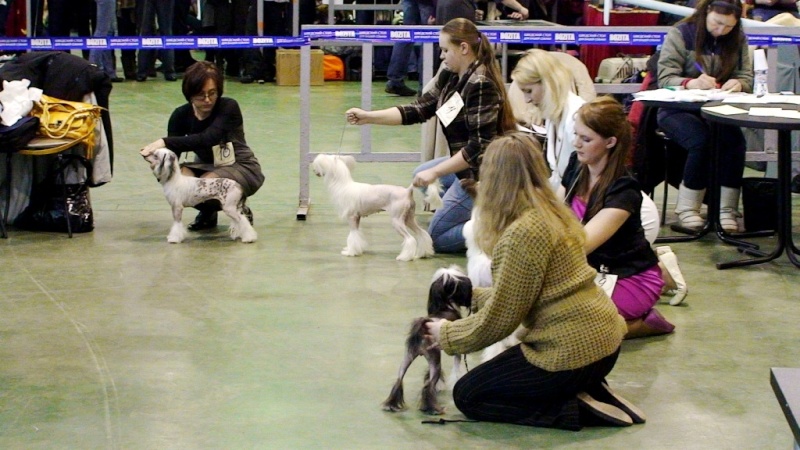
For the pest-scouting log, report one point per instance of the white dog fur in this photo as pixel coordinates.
(479, 271)
(355, 200)
(181, 190)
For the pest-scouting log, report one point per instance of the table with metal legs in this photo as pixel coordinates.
(784, 126)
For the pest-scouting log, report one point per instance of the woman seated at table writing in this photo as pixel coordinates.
(707, 50)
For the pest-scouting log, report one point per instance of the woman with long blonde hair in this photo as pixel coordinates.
(547, 84)
(556, 376)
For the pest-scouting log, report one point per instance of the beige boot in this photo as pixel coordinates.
(677, 288)
(688, 207)
(729, 209)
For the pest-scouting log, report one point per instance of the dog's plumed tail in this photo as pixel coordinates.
(433, 195)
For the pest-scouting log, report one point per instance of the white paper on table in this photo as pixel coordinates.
(764, 112)
(775, 112)
(535, 129)
(788, 114)
(686, 95)
(725, 110)
(751, 99)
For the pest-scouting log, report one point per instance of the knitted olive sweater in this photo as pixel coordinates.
(542, 281)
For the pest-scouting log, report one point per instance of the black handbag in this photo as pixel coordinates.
(48, 210)
(15, 137)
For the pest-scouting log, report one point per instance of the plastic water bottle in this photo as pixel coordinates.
(760, 72)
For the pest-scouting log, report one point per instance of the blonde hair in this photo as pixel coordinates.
(539, 66)
(514, 180)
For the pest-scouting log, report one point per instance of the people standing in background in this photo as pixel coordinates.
(148, 13)
(105, 25)
(126, 26)
(415, 12)
(764, 10)
(185, 23)
(63, 16)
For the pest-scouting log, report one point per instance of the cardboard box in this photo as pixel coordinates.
(287, 66)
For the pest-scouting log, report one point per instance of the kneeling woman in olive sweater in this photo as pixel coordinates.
(555, 377)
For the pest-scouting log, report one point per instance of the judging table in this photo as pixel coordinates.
(784, 126)
(712, 196)
(786, 386)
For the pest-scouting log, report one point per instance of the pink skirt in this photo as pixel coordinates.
(636, 295)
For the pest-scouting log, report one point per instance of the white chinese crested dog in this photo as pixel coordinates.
(355, 200)
(181, 191)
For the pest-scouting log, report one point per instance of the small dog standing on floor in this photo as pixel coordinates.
(450, 290)
(355, 200)
(181, 190)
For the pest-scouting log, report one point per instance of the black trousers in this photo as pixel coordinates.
(510, 389)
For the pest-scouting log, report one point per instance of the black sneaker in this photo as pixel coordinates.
(246, 79)
(204, 221)
(402, 90)
(248, 213)
(796, 184)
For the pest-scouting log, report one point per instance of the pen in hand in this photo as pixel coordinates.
(700, 68)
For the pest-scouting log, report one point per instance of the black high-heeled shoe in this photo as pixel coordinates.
(204, 221)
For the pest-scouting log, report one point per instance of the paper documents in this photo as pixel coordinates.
(725, 110)
(769, 98)
(685, 95)
(775, 112)
(535, 129)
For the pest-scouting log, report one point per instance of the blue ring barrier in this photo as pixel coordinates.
(149, 42)
(543, 36)
(384, 34)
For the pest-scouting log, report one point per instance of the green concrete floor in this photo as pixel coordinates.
(116, 339)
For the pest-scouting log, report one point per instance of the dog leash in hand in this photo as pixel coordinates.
(341, 138)
(446, 421)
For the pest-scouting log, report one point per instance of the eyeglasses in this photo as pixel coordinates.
(210, 96)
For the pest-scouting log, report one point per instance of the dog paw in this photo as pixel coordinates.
(393, 408)
(405, 258)
(173, 240)
(347, 252)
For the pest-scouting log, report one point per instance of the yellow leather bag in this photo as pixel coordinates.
(71, 121)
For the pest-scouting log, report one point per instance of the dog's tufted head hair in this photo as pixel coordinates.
(325, 164)
(450, 289)
(164, 164)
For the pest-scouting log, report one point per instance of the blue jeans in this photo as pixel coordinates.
(692, 132)
(106, 24)
(148, 11)
(448, 221)
(415, 12)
